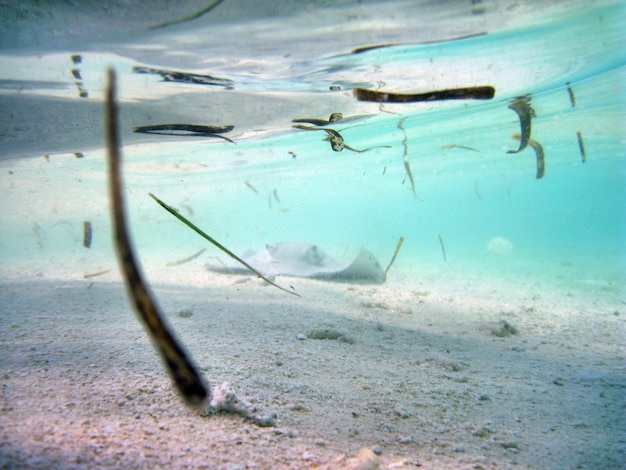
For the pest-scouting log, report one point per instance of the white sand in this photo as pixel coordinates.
(426, 381)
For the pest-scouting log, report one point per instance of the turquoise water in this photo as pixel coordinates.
(468, 190)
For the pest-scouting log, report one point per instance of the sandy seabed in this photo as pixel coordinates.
(451, 371)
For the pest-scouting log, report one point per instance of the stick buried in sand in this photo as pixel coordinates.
(183, 371)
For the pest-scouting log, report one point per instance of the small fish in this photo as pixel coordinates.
(525, 112)
(275, 193)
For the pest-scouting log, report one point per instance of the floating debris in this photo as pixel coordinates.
(395, 254)
(79, 154)
(97, 273)
(360, 50)
(183, 371)
(405, 156)
(541, 164)
(525, 112)
(581, 147)
(462, 147)
(185, 130)
(184, 77)
(570, 91)
(249, 185)
(443, 248)
(470, 93)
(87, 233)
(538, 148)
(186, 260)
(82, 92)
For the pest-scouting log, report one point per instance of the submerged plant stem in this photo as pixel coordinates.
(207, 237)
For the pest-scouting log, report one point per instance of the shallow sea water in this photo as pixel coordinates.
(277, 183)
(484, 239)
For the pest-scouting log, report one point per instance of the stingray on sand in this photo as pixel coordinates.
(301, 259)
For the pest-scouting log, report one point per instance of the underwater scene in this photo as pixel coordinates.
(442, 185)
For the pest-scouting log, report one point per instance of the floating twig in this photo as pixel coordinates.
(581, 147)
(186, 260)
(395, 254)
(181, 368)
(198, 14)
(470, 93)
(184, 77)
(570, 91)
(216, 243)
(443, 248)
(97, 273)
(541, 163)
(249, 185)
(462, 147)
(405, 157)
(87, 233)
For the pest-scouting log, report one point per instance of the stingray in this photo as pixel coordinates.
(300, 259)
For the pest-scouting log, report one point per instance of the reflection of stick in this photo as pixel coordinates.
(395, 253)
(443, 248)
(216, 243)
(184, 373)
(470, 93)
(198, 14)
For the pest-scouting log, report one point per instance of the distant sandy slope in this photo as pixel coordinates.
(423, 379)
